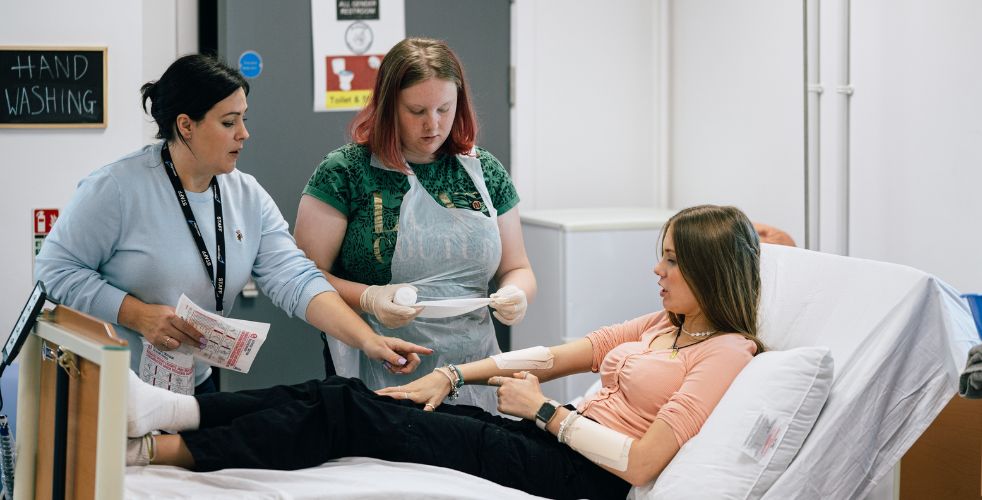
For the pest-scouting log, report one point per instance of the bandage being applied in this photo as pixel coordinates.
(532, 358)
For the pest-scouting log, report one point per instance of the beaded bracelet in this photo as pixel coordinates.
(561, 435)
(460, 375)
(453, 384)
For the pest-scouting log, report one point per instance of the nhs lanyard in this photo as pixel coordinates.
(182, 199)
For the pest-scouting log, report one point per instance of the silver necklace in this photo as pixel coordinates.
(698, 334)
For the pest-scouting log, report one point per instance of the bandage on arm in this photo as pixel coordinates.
(532, 358)
(602, 445)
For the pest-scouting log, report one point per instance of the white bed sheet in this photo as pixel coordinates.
(347, 478)
(899, 338)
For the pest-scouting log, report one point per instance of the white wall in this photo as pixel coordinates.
(916, 136)
(736, 124)
(42, 167)
(899, 172)
(585, 117)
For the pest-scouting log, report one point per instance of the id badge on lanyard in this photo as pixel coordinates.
(218, 269)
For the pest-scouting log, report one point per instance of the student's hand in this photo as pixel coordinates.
(165, 329)
(429, 391)
(379, 301)
(520, 395)
(509, 303)
(771, 234)
(397, 355)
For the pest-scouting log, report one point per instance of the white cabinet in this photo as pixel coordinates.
(594, 267)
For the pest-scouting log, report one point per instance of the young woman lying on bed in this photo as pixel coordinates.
(662, 374)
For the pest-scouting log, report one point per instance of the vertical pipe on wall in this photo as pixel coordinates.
(845, 90)
(663, 105)
(813, 94)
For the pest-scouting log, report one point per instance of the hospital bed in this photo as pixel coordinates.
(898, 337)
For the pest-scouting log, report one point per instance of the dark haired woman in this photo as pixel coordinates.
(177, 217)
(412, 202)
(662, 373)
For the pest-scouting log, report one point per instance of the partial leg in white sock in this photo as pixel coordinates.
(150, 408)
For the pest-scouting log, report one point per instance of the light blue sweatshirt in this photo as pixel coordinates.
(124, 233)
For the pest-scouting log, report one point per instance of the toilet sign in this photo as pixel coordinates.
(350, 38)
(43, 220)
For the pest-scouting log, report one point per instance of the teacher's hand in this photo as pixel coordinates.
(397, 355)
(166, 330)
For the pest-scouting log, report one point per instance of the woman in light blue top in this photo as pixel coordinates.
(177, 217)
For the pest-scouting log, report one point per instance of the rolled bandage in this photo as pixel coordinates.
(405, 296)
(600, 444)
(532, 358)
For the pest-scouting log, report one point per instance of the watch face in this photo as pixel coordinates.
(359, 37)
(546, 411)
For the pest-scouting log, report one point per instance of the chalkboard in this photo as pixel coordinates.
(52, 87)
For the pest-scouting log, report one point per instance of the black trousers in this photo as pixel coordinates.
(304, 425)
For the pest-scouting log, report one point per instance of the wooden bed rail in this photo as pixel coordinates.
(75, 448)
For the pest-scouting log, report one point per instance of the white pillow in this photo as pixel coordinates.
(753, 434)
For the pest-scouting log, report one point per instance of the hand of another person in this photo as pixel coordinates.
(509, 303)
(430, 390)
(167, 331)
(379, 301)
(396, 354)
(519, 396)
(773, 235)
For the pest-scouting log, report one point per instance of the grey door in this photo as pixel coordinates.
(288, 139)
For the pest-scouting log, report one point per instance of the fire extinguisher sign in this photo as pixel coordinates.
(43, 220)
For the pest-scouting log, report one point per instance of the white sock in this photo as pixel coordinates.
(150, 408)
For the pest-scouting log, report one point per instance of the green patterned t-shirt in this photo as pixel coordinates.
(371, 197)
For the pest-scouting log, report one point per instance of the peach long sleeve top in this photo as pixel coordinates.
(641, 384)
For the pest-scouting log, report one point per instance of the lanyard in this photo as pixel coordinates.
(182, 199)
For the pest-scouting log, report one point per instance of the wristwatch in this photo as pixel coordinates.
(545, 413)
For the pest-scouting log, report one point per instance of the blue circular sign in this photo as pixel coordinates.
(250, 64)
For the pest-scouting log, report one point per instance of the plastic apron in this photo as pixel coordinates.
(444, 253)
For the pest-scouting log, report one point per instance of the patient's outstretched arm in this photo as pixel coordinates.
(431, 390)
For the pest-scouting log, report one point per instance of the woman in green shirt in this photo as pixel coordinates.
(412, 202)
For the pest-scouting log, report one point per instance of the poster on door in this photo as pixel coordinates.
(42, 221)
(350, 38)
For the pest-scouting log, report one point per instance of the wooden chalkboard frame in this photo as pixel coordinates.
(105, 85)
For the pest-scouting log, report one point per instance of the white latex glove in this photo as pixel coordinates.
(509, 303)
(380, 302)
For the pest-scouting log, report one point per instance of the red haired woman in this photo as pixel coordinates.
(412, 202)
